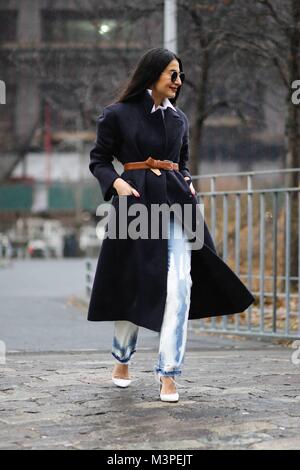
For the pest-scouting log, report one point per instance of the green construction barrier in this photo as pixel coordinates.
(61, 197)
(15, 197)
(91, 197)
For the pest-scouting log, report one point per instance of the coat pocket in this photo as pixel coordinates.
(129, 181)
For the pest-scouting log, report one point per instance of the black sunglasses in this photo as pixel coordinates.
(175, 74)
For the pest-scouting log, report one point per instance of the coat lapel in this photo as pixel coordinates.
(172, 123)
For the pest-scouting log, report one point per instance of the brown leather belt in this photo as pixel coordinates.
(151, 163)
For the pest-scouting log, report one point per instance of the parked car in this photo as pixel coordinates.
(70, 247)
(38, 249)
(6, 251)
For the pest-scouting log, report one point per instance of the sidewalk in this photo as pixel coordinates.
(234, 397)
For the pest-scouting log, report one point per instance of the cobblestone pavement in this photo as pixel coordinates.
(229, 399)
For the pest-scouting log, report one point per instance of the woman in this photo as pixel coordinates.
(155, 282)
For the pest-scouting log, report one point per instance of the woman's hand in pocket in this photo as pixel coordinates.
(193, 191)
(124, 189)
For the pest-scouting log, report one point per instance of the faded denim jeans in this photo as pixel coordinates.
(173, 333)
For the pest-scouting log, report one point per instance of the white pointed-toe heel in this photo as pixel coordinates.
(171, 397)
(121, 382)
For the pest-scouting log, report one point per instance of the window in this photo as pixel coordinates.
(8, 22)
(59, 26)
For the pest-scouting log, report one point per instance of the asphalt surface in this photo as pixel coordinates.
(56, 391)
(42, 310)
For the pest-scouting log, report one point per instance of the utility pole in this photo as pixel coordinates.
(170, 25)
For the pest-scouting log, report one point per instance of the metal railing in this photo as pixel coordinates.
(256, 232)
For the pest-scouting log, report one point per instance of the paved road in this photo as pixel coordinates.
(39, 312)
(237, 393)
(229, 399)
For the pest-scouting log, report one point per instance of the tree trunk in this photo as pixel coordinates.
(197, 126)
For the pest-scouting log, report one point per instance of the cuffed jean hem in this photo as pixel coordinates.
(123, 360)
(167, 373)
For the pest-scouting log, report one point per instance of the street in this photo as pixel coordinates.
(56, 391)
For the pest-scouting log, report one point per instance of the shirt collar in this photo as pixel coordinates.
(165, 104)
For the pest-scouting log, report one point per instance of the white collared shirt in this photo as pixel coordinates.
(165, 104)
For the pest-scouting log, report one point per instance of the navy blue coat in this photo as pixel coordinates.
(131, 275)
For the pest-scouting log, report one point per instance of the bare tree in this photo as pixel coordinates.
(217, 80)
(77, 77)
(271, 32)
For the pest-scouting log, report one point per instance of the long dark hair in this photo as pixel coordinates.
(146, 72)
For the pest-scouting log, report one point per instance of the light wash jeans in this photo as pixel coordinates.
(173, 333)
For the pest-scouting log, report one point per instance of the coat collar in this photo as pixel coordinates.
(169, 126)
(148, 103)
(165, 104)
